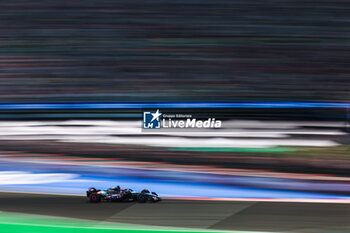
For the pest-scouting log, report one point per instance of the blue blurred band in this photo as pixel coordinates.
(137, 105)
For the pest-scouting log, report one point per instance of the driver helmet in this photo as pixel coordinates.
(145, 191)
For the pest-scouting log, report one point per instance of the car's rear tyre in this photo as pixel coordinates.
(94, 198)
(141, 198)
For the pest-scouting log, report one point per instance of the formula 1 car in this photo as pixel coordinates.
(116, 194)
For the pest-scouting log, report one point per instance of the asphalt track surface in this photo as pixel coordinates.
(224, 215)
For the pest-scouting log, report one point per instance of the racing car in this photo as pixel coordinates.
(116, 194)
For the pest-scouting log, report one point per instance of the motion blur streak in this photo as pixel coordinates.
(191, 105)
(114, 132)
(200, 182)
(76, 77)
(184, 50)
(14, 178)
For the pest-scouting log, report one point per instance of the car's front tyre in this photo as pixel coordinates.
(141, 197)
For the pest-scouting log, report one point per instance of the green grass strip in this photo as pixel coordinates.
(26, 223)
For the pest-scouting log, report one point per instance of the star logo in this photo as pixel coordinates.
(156, 115)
